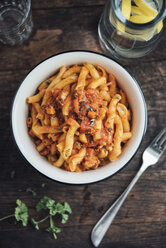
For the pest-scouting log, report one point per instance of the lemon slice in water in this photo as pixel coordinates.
(146, 7)
(126, 11)
(141, 19)
(144, 12)
(126, 8)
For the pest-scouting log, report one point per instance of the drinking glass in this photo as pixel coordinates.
(15, 21)
(127, 40)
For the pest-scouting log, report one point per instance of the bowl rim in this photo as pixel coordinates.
(144, 107)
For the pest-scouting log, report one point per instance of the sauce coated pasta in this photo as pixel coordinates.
(79, 118)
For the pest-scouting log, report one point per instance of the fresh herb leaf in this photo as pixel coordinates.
(65, 218)
(44, 203)
(48, 204)
(67, 208)
(53, 229)
(21, 212)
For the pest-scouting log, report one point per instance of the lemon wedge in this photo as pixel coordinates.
(144, 12)
(145, 7)
(126, 11)
(141, 19)
(126, 8)
(137, 11)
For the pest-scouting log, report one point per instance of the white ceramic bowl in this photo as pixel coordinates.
(43, 71)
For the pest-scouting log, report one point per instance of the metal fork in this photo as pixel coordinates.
(151, 156)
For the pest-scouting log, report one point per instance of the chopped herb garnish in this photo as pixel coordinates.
(109, 129)
(117, 97)
(79, 121)
(60, 128)
(91, 109)
(100, 106)
(91, 142)
(47, 82)
(53, 118)
(88, 155)
(55, 134)
(92, 122)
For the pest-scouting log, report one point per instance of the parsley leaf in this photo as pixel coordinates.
(45, 203)
(53, 229)
(21, 212)
(52, 208)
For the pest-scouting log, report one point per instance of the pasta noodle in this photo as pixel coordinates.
(79, 118)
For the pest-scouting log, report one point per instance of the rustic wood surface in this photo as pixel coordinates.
(141, 222)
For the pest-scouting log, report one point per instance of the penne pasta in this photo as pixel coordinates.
(79, 118)
(97, 82)
(116, 151)
(123, 113)
(36, 98)
(94, 73)
(69, 141)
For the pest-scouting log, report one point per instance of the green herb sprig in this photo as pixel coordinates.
(21, 213)
(52, 209)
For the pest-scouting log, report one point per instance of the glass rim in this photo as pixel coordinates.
(22, 21)
(139, 26)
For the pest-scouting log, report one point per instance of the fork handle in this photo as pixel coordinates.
(103, 224)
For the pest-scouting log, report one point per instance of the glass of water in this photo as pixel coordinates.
(15, 21)
(127, 32)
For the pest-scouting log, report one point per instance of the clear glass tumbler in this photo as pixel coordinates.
(125, 40)
(15, 21)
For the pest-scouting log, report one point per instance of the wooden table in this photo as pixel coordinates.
(141, 222)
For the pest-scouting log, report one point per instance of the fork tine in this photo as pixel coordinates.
(162, 140)
(157, 141)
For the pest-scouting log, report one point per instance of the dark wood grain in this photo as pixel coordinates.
(141, 222)
(65, 3)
